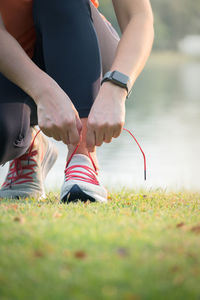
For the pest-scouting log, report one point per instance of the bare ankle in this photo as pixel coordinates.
(82, 150)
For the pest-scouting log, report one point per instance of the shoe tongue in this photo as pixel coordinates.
(80, 159)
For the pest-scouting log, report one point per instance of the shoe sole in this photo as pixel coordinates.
(76, 194)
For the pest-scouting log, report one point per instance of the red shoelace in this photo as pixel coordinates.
(88, 174)
(144, 157)
(16, 172)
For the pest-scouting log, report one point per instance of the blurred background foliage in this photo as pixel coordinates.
(173, 20)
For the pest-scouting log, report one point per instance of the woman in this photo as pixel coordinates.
(59, 88)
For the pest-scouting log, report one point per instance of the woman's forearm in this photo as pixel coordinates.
(19, 68)
(136, 22)
(134, 47)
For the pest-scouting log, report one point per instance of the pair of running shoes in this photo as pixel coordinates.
(26, 174)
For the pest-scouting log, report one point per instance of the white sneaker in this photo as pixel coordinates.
(27, 173)
(81, 181)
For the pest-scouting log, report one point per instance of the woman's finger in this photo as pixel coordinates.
(90, 139)
(99, 137)
(65, 138)
(74, 136)
(108, 137)
(117, 131)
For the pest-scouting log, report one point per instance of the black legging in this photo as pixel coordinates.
(67, 48)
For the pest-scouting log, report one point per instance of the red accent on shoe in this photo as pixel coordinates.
(90, 174)
(70, 173)
(16, 168)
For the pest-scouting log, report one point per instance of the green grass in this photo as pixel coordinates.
(138, 246)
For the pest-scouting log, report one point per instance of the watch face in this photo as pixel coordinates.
(119, 77)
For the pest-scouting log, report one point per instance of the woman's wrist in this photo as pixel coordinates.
(40, 86)
(115, 90)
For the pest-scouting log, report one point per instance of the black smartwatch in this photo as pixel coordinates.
(119, 79)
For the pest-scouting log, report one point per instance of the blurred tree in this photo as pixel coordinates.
(173, 20)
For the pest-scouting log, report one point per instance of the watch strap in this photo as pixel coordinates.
(109, 76)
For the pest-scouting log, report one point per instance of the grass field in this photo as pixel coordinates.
(138, 246)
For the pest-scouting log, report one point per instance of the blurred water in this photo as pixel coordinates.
(164, 114)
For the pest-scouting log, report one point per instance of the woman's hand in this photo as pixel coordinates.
(57, 116)
(107, 115)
